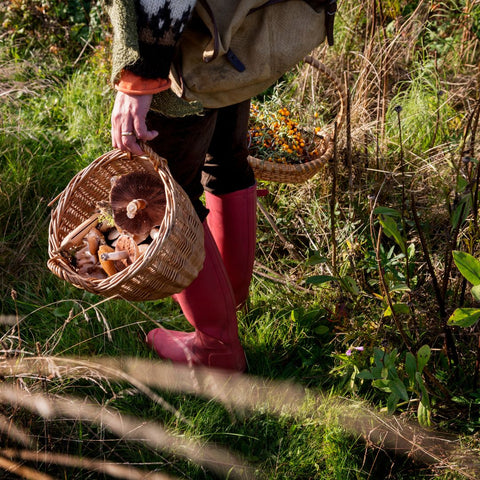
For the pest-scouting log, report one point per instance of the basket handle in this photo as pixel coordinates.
(159, 162)
(339, 87)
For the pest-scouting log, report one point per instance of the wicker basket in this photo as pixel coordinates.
(173, 259)
(298, 173)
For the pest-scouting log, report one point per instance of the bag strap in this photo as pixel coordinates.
(330, 12)
(216, 35)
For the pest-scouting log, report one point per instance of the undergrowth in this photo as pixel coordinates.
(361, 329)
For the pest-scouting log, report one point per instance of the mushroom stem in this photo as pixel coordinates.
(134, 206)
(118, 255)
(78, 234)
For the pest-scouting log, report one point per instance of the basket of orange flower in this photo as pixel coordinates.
(281, 151)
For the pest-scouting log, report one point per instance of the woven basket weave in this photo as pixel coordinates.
(173, 259)
(298, 173)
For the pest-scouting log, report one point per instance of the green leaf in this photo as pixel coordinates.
(321, 330)
(476, 292)
(350, 285)
(423, 414)
(462, 183)
(390, 229)
(392, 402)
(383, 385)
(462, 210)
(315, 259)
(423, 356)
(397, 308)
(398, 388)
(424, 398)
(365, 375)
(386, 211)
(468, 265)
(319, 279)
(464, 317)
(410, 366)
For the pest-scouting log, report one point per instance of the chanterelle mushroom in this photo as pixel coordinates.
(138, 203)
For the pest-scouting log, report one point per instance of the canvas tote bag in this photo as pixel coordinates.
(233, 50)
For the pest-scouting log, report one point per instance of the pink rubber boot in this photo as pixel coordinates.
(208, 304)
(233, 223)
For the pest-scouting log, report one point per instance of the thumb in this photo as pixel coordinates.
(150, 135)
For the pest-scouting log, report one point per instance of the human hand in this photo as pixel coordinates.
(128, 122)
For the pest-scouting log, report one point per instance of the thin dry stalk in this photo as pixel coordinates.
(277, 278)
(129, 428)
(108, 468)
(20, 470)
(333, 203)
(386, 293)
(428, 260)
(288, 245)
(237, 391)
(11, 430)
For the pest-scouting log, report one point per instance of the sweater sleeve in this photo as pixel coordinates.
(159, 26)
(145, 33)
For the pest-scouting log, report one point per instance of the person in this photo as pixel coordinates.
(206, 152)
(206, 149)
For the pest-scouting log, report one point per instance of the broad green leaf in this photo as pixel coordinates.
(398, 388)
(319, 279)
(321, 330)
(390, 229)
(383, 384)
(410, 366)
(424, 398)
(315, 259)
(462, 183)
(476, 292)
(397, 308)
(386, 211)
(365, 375)
(392, 402)
(379, 355)
(464, 317)
(350, 285)
(400, 287)
(468, 265)
(423, 414)
(423, 356)
(461, 211)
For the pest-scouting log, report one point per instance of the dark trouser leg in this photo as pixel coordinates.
(231, 197)
(184, 143)
(208, 303)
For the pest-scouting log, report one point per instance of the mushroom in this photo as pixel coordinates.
(75, 237)
(93, 271)
(94, 238)
(125, 253)
(154, 232)
(142, 248)
(84, 259)
(106, 262)
(138, 203)
(113, 234)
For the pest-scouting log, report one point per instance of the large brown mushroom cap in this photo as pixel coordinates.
(138, 203)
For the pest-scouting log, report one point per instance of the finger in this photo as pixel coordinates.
(129, 144)
(142, 131)
(116, 130)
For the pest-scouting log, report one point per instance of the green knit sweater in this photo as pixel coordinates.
(145, 33)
